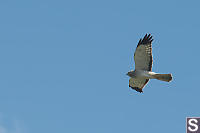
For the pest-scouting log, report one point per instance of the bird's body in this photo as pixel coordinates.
(141, 74)
(143, 66)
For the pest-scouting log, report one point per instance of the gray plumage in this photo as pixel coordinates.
(143, 65)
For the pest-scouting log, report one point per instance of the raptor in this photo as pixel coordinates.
(143, 66)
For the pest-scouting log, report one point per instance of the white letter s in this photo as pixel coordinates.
(193, 124)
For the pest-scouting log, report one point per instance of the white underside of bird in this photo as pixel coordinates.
(142, 74)
(141, 77)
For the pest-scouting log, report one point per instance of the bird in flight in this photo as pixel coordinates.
(143, 66)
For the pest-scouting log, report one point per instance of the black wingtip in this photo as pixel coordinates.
(148, 38)
(137, 89)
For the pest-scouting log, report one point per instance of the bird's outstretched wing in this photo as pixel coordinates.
(143, 54)
(137, 83)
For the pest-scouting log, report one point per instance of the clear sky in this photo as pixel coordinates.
(63, 65)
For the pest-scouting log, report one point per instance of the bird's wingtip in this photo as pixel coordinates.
(148, 38)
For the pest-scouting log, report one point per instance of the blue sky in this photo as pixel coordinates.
(63, 66)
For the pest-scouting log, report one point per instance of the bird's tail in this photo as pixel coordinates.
(163, 77)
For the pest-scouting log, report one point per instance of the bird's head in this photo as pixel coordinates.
(131, 73)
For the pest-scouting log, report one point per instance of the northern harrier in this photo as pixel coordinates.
(143, 66)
